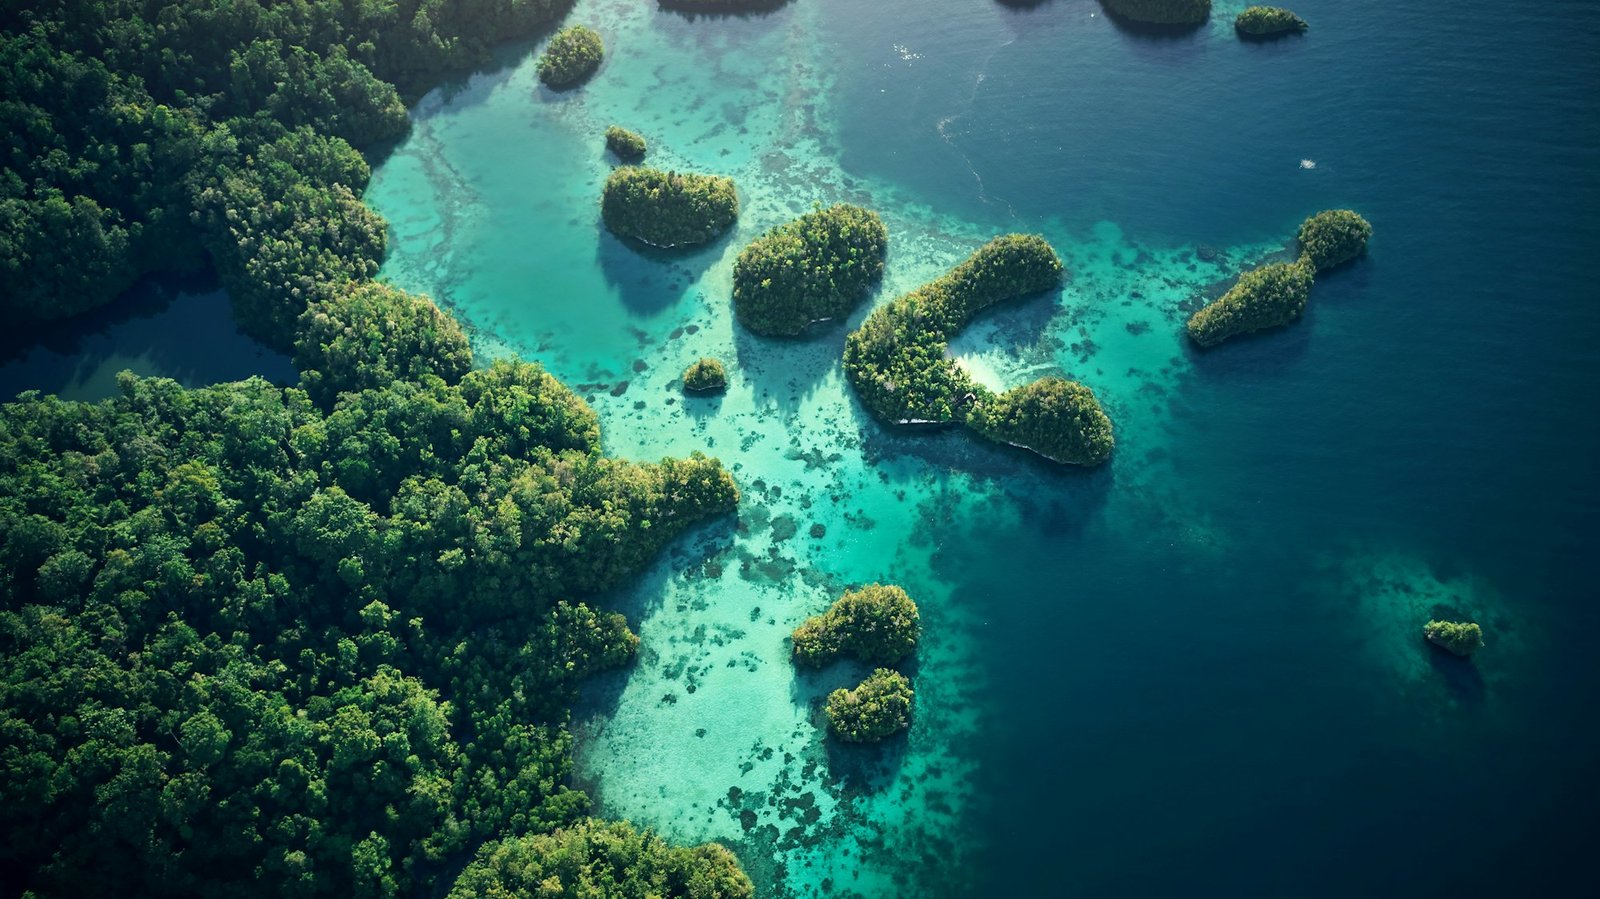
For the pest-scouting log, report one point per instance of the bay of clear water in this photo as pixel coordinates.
(1198, 670)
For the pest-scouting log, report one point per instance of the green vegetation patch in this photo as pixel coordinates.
(628, 145)
(815, 268)
(1333, 237)
(668, 209)
(877, 624)
(340, 645)
(705, 376)
(1161, 12)
(572, 55)
(1056, 418)
(1267, 297)
(1261, 21)
(1460, 637)
(594, 859)
(898, 361)
(373, 334)
(878, 707)
(211, 137)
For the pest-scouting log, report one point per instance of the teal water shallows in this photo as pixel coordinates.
(1198, 670)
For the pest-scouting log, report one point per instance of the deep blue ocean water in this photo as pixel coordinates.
(1199, 670)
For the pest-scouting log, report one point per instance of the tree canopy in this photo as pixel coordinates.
(877, 624)
(877, 708)
(594, 859)
(171, 137)
(668, 209)
(249, 647)
(815, 268)
(574, 53)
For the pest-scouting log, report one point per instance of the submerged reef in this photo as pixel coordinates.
(1276, 294)
(1268, 21)
(878, 707)
(668, 209)
(813, 269)
(1160, 12)
(705, 376)
(898, 360)
(1462, 638)
(572, 56)
(877, 624)
(628, 145)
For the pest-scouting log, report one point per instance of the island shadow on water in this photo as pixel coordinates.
(651, 279)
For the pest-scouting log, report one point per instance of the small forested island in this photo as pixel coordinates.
(1160, 12)
(668, 209)
(1265, 21)
(594, 858)
(1056, 418)
(877, 624)
(1267, 297)
(1462, 638)
(896, 359)
(899, 365)
(813, 269)
(705, 376)
(628, 145)
(574, 53)
(1333, 237)
(1276, 294)
(878, 707)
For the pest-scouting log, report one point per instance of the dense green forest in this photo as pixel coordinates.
(875, 709)
(668, 209)
(896, 360)
(877, 624)
(1267, 297)
(1056, 418)
(574, 53)
(1276, 294)
(1263, 21)
(290, 641)
(815, 268)
(249, 647)
(628, 145)
(150, 136)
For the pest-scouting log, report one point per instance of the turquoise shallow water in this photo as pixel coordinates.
(1196, 671)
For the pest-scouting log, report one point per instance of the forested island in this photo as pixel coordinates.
(877, 708)
(574, 53)
(668, 209)
(813, 269)
(898, 360)
(1267, 297)
(1462, 638)
(1276, 294)
(877, 624)
(628, 145)
(705, 376)
(1268, 21)
(1186, 13)
(316, 640)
